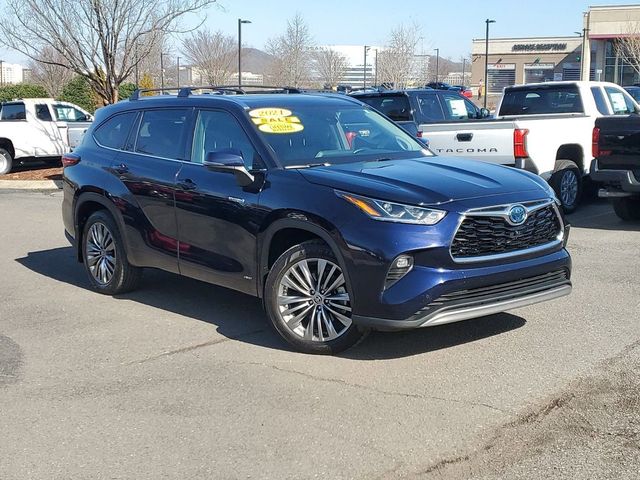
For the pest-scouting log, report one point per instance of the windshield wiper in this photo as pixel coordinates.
(307, 165)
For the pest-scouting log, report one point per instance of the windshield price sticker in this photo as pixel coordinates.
(275, 120)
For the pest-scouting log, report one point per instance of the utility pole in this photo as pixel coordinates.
(376, 70)
(161, 70)
(364, 72)
(136, 70)
(178, 66)
(437, 62)
(240, 22)
(486, 61)
(464, 63)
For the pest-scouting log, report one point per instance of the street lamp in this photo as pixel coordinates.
(376, 70)
(486, 61)
(240, 22)
(162, 69)
(364, 76)
(437, 62)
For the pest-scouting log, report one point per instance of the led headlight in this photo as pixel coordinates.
(394, 212)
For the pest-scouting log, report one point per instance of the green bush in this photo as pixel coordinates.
(79, 91)
(21, 90)
(125, 90)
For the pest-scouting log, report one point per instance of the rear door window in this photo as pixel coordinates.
(601, 103)
(66, 113)
(162, 133)
(13, 111)
(43, 113)
(430, 108)
(621, 102)
(114, 132)
(396, 107)
(457, 108)
(542, 100)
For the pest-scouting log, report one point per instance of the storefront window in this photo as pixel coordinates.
(616, 69)
(538, 72)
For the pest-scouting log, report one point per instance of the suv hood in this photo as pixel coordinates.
(432, 180)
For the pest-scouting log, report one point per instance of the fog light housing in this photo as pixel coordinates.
(399, 268)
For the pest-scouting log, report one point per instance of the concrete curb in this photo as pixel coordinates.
(30, 184)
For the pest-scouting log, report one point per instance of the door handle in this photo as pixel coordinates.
(187, 184)
(464, 137)
(121, 169)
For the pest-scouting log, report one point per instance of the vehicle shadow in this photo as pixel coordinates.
(240, 317)
(597, 213)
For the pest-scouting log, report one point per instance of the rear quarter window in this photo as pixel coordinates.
(542, 100)
(13, 111)
(114, 132)
(396, 107)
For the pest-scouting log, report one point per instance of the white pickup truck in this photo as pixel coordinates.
(39, 129)
(545, 128)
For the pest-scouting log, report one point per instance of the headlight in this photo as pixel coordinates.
(394, 212)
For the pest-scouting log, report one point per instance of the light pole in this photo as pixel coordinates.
(486, 61)
(1, 72)
(376, 70)
(178, 67)
(464, 64)
(364, 72)
(240, 22)
(162, 70)
(437, 62)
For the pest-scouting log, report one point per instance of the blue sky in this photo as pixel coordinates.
(448, 25)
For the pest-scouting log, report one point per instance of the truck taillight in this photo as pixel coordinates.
(69, 159)
(595, 140)
(520, 143)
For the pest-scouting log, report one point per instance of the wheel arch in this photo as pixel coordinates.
(300, 230)
(7, 144)
(573, 152)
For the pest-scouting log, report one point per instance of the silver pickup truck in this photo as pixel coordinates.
(545, 128)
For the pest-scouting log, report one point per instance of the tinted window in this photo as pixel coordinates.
(43, 113)
(601, 103)
(621, 102)
(217, 131)
(395, 107)
(65, 113)
(114, 132)
(430, 108)
(542, 100)
(162, 133)
(13, 111)
(457, 108)
(635, 93)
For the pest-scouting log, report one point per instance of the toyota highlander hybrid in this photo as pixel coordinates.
(338, 219)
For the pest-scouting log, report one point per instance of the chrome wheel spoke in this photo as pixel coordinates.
(100, 253)
(304, 267)
(329, 325)
(338, 282)
(339, 297)
(308, 332)
(294, 322)
(322, 264)
(328, 277)
(288, 300)
(346, 321)
(340, 306)
(286, 280)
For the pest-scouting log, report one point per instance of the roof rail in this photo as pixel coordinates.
(137, 93)
(218, 89)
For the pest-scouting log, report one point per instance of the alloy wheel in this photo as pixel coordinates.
(101, 253)
(569, 187)
(313, 300)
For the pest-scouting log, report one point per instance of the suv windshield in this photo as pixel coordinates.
(329, 134)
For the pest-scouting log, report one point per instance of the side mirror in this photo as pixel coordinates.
(484, 113)
(229, 160)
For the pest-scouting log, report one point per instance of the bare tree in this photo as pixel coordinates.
(213, 54)
(101, 40)
(397, 62)
(330, 65)
(628, 46)
(291, 51)
(51, 76)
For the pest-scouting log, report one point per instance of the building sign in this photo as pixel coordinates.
(502, 66)
(539, 47)
(540, 66)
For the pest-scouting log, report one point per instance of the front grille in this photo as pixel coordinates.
(485, 236)
(474, 297)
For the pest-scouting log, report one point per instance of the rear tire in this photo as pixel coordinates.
(627, 208)
(308, 301)
(6, 161)
(105, 259)
(566, 181)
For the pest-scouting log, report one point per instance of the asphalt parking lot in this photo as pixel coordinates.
(185, 380)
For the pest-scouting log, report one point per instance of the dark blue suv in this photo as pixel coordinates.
(337, 218)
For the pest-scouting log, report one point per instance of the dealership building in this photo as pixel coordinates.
(588, 54)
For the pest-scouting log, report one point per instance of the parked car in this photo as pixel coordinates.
(414, 108)
(616, 152)
(464, 91)
(634, 92)
(439, 86)
(544, 128)
(332, 214)
(39, 129)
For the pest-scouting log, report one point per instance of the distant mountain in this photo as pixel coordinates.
(255, 60)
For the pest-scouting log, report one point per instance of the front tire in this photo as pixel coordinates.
(6, 161)
(105, 259)
(567, 183)
(308, 302)
(627, 208)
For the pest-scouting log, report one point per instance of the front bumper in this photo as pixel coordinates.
(478, 302)
(617, 180)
